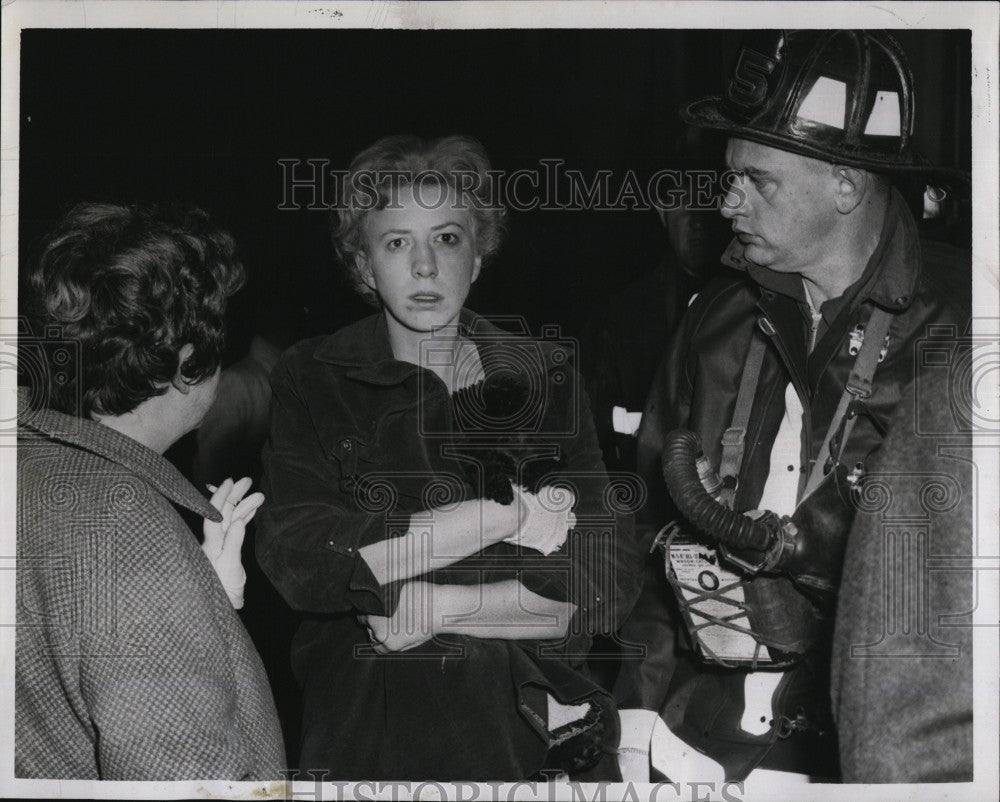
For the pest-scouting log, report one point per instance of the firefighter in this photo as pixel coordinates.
(785, 372)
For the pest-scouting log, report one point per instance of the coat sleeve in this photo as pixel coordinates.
(167, 696)
(596, 567)
(904, 701)
(308, 532)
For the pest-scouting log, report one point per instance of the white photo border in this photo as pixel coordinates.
(982, 18)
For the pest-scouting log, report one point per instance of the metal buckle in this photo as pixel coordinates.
(766, 326)
(733, 436)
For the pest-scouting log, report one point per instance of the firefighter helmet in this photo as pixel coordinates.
(844, 96)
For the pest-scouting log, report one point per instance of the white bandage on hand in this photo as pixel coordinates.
(224, 541)
(544, 519)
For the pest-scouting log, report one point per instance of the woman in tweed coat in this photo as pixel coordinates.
(131, 663)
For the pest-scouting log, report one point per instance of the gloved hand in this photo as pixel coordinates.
(634, 744)
(224, 541)
(544, 519)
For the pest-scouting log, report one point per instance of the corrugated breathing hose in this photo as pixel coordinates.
(681, 450)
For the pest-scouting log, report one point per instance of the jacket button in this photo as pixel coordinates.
(902, 299)
(346, 444)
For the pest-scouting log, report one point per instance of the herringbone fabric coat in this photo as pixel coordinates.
(130, 662)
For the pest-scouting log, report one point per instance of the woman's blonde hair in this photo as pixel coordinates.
(378, 172)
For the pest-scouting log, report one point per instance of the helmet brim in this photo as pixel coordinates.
(709, 113)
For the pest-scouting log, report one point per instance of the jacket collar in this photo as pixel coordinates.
(114, 446)
(896, 262)
(364, 349)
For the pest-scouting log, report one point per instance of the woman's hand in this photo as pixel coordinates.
(224, 541)
(413, 622)
(545, 518)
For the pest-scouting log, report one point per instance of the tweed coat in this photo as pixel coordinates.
(902, 671)
(130, 662)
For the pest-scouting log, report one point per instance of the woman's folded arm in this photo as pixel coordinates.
(326, 556)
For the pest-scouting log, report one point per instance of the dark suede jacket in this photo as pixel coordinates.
(359, 443)
(925, 287)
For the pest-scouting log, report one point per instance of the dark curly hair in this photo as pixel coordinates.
(131, 285)
(395, 161)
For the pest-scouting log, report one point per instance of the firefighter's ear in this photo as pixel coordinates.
(852, 184)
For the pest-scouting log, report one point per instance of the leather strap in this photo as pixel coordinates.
(734, 438)
(858, 387)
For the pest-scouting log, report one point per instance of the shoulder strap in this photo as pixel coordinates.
(859, 386)
(734, 438)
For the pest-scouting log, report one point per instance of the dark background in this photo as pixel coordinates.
(204, 116)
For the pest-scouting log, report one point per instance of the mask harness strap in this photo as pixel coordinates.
(734, 438)
(858, 388)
